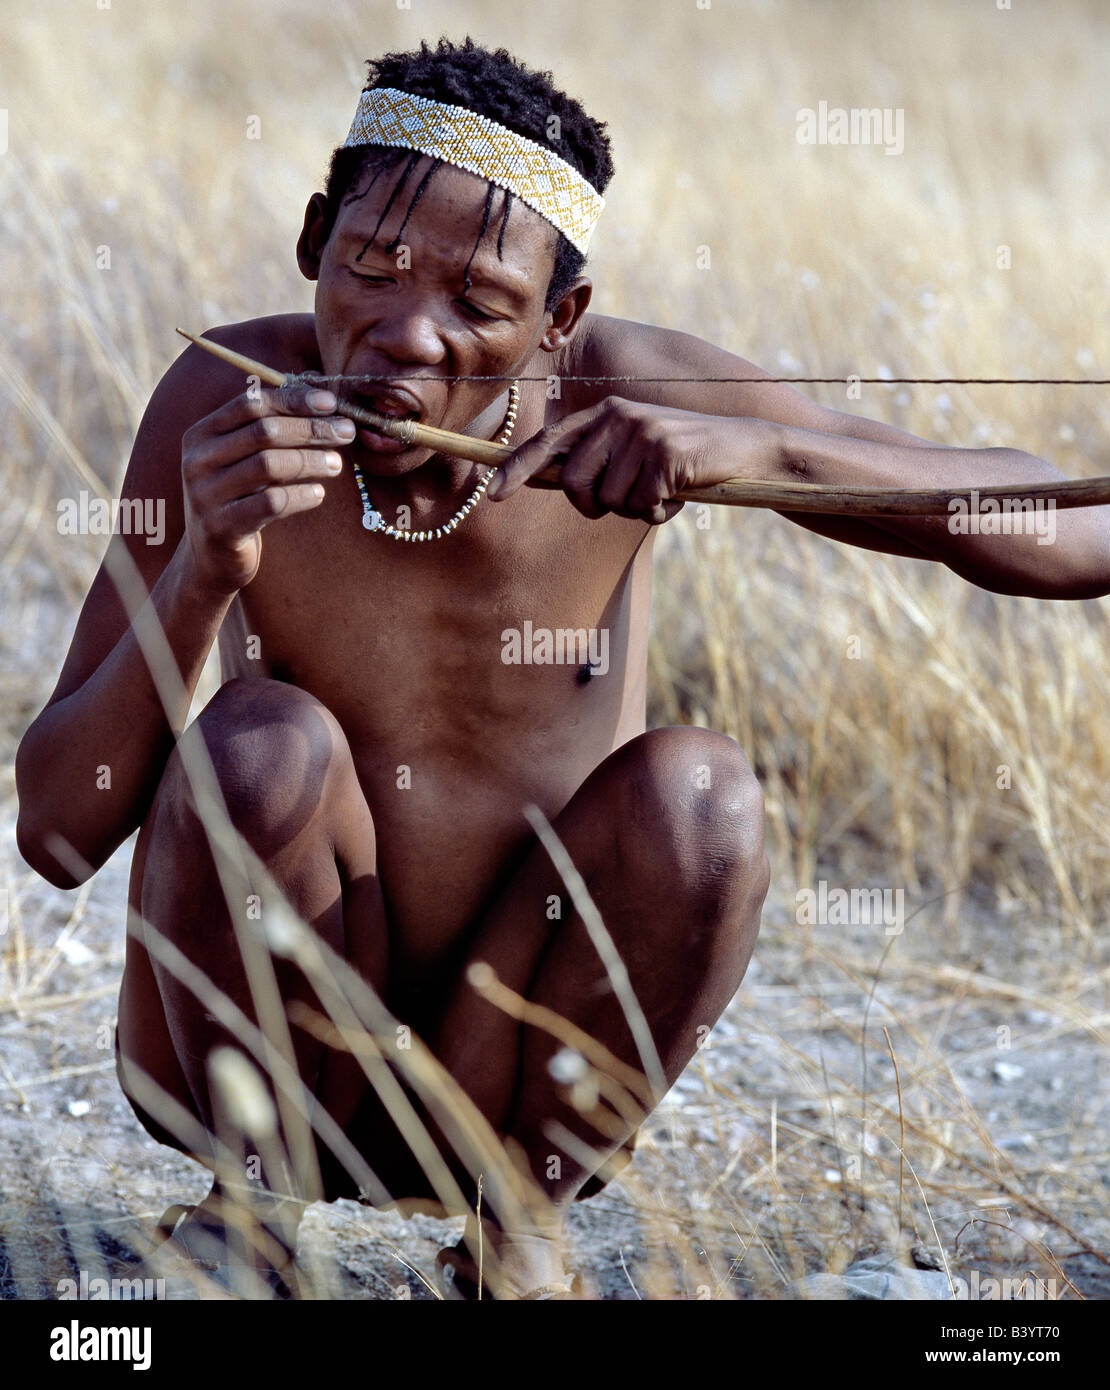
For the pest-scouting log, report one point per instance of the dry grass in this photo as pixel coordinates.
(783, 1151)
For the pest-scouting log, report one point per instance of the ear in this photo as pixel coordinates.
(313, 237)
(567, 315)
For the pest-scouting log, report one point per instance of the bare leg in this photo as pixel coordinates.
(291, 791)
(668, 834)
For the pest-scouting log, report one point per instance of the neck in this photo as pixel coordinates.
(439, 484)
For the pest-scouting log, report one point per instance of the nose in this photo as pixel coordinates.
(408, 332)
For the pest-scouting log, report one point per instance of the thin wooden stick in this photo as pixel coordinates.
(829, 499)
(408, 431)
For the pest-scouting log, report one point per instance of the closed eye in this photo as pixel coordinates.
(480, 314)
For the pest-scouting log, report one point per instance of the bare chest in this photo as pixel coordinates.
(471, 676)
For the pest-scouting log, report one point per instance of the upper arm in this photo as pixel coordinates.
(193, 386)
(620, 347)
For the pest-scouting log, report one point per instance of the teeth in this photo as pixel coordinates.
(390, 409)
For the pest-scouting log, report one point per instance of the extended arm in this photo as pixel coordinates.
(629, 447)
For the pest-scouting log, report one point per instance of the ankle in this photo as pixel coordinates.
(274, 1215)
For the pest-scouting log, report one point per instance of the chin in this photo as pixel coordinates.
(381, 448)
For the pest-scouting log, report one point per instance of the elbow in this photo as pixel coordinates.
(1083, 559)
(41, 845)
(1069, 561)
(1081, 569)
(33, 843)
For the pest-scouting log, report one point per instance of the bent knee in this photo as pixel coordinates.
(694, 798)
(274, 749)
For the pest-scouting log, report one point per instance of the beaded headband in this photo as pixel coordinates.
(459, 136)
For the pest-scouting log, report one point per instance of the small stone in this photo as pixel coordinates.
(1006, 1072)
(77, 1108)
(75, 952)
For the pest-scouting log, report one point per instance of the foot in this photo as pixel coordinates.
(528, 1265)
(247, 1250)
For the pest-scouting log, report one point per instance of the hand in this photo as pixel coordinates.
(631, 458)
(258, 458)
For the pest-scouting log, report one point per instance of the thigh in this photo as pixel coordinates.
(667, 836)
(669, 811)
(291, 791)
(664, 831)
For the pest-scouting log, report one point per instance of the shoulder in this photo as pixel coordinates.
(662, 366)
(197, 383)
(286, 342)
(193, 386)
(609, 347)
(615, 346)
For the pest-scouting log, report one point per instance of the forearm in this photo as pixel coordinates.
(88, 766)
(1068, 556)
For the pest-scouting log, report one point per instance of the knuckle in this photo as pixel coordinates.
(280, 465)
(269, 429)
(274, 501)
(576, 478)
(264, 466)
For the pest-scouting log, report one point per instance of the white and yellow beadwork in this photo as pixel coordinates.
(458, 136)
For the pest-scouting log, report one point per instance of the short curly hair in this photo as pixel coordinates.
(495, 85)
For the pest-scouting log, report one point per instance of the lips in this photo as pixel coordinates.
(389, 400)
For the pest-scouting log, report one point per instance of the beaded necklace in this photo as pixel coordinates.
(373, 520)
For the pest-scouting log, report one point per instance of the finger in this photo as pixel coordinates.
(256, 402)
(204, 459)
(664, 511)
(285, 432)
(603, 467)
(269, 468)
(542, 449)
(618, 481)
(250, 514)
(580, 477)
(650, 495)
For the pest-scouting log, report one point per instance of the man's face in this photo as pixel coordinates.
(405, 314)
